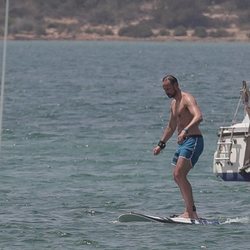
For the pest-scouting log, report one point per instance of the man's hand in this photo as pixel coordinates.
(181, 137)
(156, 150)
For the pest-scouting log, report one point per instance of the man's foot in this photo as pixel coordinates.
(188, 216)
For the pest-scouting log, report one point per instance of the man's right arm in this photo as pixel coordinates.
(171, 127)
(168, 132)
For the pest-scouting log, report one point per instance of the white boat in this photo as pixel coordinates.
(232, 156)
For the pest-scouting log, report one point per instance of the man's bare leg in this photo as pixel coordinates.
(181, 170)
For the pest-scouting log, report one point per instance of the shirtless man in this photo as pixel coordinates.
(185, 115)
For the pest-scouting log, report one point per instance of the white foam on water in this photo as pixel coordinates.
(240, 220)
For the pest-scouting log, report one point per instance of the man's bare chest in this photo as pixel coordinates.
(180, 110)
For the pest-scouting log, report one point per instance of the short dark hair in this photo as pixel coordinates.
(171, 79)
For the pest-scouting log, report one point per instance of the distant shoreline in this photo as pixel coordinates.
(130, 21)
(119, 38)
(239, 36)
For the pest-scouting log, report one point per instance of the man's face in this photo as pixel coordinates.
(169, 88)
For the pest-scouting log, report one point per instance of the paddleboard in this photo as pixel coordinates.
(140, 217)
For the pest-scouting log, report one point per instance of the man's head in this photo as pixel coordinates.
(170, 85)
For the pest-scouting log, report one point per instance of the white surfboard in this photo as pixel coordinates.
(139, 217)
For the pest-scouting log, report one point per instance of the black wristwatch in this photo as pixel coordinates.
(162, 144)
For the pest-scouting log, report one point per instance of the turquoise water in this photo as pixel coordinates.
(80, 122)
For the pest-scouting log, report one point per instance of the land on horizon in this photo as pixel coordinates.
(161, 20)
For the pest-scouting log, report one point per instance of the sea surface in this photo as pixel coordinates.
(80, 121)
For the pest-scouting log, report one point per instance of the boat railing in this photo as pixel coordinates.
(224, 147)
(246, 162)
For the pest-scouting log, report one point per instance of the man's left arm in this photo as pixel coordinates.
(194, 109)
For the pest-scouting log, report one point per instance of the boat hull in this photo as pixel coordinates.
(234, 176)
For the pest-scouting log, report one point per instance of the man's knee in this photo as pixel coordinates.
(178, 175)
(181, 170)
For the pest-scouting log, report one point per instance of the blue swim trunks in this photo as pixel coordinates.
(190, 149)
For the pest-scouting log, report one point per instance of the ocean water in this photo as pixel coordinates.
(79, 125)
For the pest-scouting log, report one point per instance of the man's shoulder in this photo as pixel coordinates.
(185, 93)
(187, 96)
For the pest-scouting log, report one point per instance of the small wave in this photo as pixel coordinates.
(87, 242)
(238, 220)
